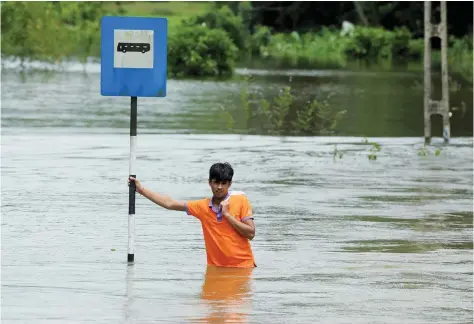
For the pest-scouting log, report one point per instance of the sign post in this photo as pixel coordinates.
(133, 64)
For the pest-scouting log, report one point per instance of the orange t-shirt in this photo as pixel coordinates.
(225, 247)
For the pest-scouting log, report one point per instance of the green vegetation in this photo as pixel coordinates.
(329, 48)
(175, 12)
(206, 44)
(337, 153)
(210, 39)
(460, 57)
(51, 31)
(425, 151)
(224, 19)
(363, 46)
(375, 147)
(284, 115)
(189, 47)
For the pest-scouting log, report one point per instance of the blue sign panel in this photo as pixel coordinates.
(133, 56)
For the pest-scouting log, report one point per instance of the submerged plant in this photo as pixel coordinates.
(226, 118)
(337, 153)
(375, 147)
(280, 108)
(285, 115)
(424, 151)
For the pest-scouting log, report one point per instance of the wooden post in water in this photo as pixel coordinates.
(433, 107)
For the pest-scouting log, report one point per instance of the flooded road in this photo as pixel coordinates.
(340, 238)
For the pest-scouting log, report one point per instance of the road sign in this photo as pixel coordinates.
(133, 64)
(133, 56)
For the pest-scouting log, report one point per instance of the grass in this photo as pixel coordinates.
(174, 11)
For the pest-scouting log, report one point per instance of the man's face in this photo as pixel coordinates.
(219, 188)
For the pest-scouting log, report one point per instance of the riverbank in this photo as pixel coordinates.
(361, 48)
(204, 40)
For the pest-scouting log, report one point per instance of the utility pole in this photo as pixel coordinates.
(434, 107)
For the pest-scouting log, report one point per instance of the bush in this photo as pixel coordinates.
(51, 31)
(200, 51)
(307, 50)
(367, 42)
(222, 18)
(330, 49)
(416, 48)
(400, 42)
(260, 39)
(27, 29)
(460, 57)
(377, 43)
(286, 114)
(317, 115)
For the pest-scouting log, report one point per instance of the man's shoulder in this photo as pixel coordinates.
(202, 200)
(196, 207)
(198, 202)
(237, 193)
(239, 196)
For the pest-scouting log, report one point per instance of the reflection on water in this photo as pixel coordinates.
(227, 293)
(403, 246)
(129, 294)
(435, 222)
(377, 104)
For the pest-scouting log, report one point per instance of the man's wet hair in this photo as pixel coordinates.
(221, 172)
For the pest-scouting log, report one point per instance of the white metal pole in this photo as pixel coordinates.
(132, 188)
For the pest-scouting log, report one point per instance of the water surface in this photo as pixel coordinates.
(339, 240)
(378, 104)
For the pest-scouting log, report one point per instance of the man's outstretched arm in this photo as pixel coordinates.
(159, 199)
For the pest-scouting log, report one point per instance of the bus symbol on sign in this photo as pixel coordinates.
(133, 47)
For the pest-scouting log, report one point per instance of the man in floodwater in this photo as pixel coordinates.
(226, 218)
